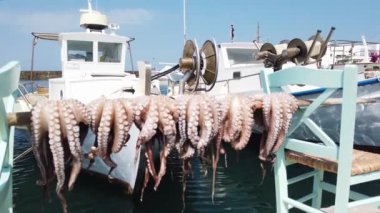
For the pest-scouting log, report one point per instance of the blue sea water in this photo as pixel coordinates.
(237, 188)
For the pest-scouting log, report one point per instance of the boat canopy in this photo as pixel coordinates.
(46, 36)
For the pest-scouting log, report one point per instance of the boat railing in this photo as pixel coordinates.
(9, 77)
(23, 91)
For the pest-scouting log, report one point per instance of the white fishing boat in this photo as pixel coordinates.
(93, 64)
(217, 69)
(234, 68)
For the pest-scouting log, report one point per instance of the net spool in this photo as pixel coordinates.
(268, 47)
(190, 61)
(297, 51)
(275, 49)
(317, 47)
(199, 64)
(209, 66)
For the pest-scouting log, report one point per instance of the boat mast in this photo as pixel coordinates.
(366, 52)
(89, 2)
(184, 21)
(258, 33)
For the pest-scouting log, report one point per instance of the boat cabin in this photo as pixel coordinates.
(86, 54)
(93, 62)
(236, 67)
(225, 68)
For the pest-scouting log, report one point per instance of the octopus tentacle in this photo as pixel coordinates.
(216, 110)
(289, 106)
(193, 123)
(56, 147)
(94, 110)
(206, 123)
(246, 125)
(94, 113)
(268, 132)
(162, 171)
(148, 118)
(182, 105)
(188, 150)
(149, 128)
(80, 111)
(267, 110)
(166, 122)
(38, 129)
(145, 184)
(168, 129)
(70, 130)
(128, 107)
(104, 135)
(225, 116)
(276, 125)
(119, 127)
(140, 108)
(150, 160)
(235, 120)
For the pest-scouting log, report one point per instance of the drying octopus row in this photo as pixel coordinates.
(190, 124)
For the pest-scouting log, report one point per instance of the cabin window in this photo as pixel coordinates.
(238, 56)
(109, 52)
(79, 51)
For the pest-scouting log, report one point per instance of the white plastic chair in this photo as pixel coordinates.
(9, 77)
(351, 166)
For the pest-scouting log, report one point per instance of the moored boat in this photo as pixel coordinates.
(92, 64)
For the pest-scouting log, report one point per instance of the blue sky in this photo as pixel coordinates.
(157, 25)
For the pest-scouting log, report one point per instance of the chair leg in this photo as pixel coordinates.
(342, 191)
(317, 189)
(281, 182)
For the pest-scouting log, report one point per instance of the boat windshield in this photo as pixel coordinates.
(238, 56)
(79, 50)
(109, 52)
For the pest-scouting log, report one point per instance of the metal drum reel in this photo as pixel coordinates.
(201, 64)
(189, 64)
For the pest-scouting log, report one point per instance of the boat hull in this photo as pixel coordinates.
(127, 160)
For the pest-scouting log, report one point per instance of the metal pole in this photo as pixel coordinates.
(258, 33)
(34, 42)
(312, 46)
(333, 64)
(130, 53)
(324, 44)
(182, 82)
(184, 21)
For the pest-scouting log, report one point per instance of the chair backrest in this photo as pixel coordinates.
(9, 78)
(331, 80)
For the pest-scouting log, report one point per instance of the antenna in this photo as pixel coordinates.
(89, 2)
(232, 33)
(113, 27)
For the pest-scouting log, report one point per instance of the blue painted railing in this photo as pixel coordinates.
(9, 78)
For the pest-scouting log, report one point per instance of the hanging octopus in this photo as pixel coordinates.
(111, 120)
(56, 124)
(193, 125)
(278, 110)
